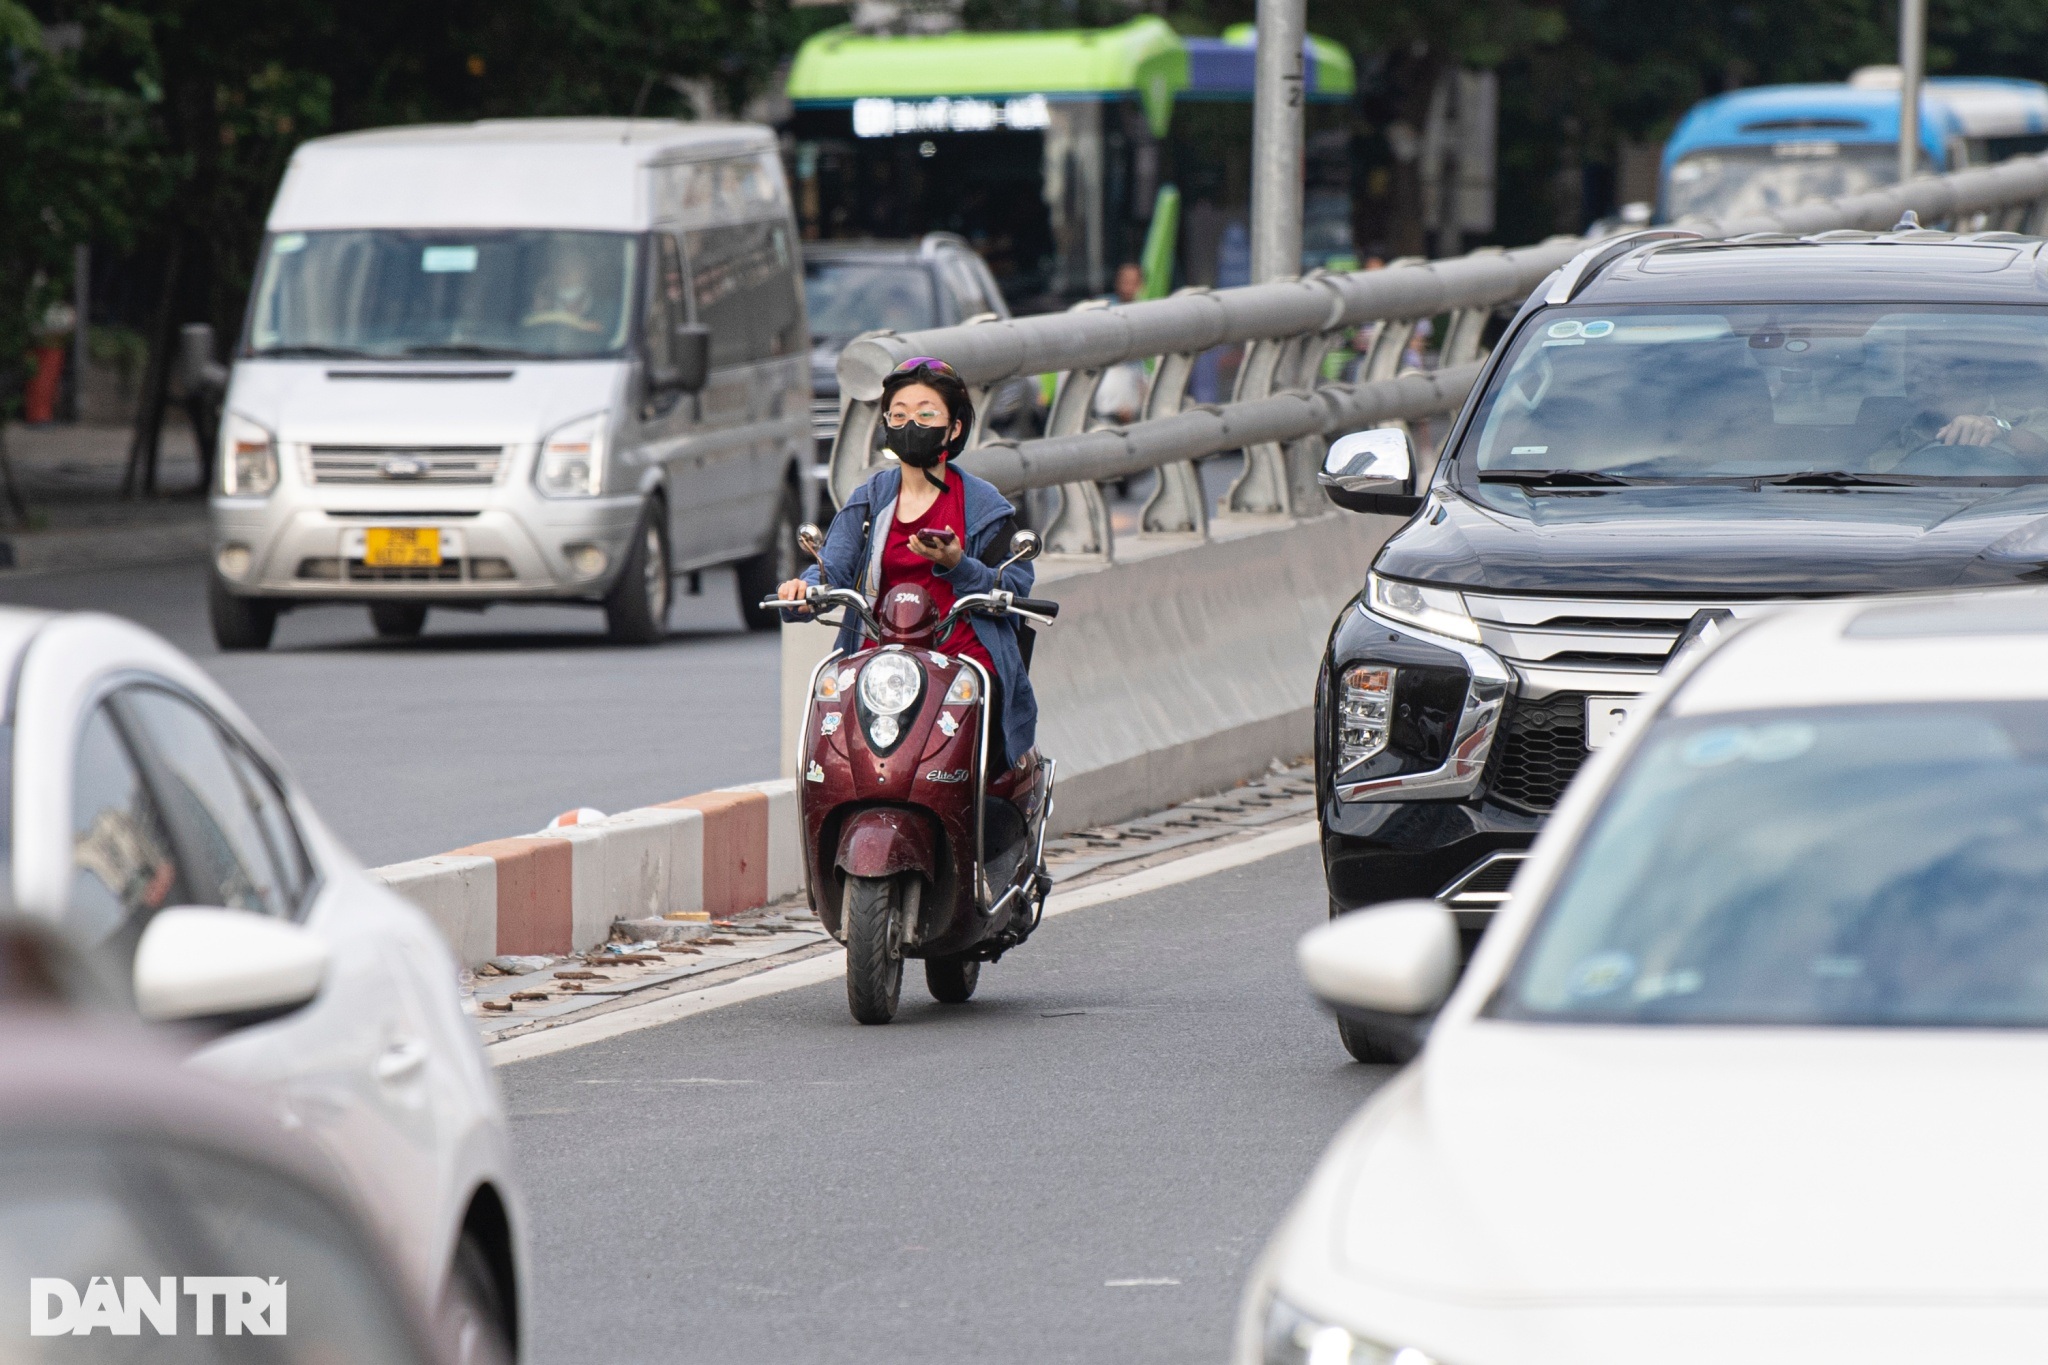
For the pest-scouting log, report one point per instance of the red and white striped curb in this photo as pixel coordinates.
(559, 891)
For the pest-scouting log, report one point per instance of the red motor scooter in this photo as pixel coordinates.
(913, 848)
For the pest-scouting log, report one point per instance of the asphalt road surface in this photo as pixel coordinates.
(1133, 1096)
(488, 725)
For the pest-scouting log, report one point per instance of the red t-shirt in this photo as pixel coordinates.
(901, 564)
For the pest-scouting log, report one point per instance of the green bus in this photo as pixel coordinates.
(1053, 152)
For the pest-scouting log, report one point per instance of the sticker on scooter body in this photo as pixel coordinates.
(816, 773)
(950, 726)
(957, 775)
(828, 724)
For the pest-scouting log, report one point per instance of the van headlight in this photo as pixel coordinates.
(572, 459)
(1440, 611)
(1292, 1337)
(248, 458)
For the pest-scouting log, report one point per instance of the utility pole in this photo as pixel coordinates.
(1277, 100)
(1912, 67)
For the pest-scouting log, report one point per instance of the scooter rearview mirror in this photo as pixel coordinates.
(1024, 545)
(810, 540)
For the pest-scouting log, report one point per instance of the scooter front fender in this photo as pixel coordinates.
(885, 840)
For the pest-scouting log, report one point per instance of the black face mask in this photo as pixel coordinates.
(919, 447)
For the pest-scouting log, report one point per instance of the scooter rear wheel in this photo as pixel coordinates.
(874, 948)
(952, 978)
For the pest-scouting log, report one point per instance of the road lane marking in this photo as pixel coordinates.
(831, 966)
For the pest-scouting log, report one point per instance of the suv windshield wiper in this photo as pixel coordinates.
(1552, 478)
(1834, 478)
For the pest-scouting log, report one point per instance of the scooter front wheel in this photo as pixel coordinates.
(874, 947)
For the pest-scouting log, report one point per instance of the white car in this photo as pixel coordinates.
(1750, 1066)
(145, 816)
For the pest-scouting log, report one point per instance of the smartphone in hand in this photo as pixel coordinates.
(935, 540)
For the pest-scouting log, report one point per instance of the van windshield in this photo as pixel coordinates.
(398, 292)
(1653, 393)
(1738, 182)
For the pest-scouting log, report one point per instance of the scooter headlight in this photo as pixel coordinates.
(890, 684)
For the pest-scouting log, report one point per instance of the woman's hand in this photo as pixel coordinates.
(946, 556)
(795, 590)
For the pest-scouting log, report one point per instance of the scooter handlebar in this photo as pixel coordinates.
(821, 598)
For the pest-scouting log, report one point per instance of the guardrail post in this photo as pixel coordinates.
(1260, 489)
(1079, 525)
(1178, 504)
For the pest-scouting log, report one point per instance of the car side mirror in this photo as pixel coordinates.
(228, 966)
(1371, 471)
(1399, 960)
(1024, 547)
(811, 540)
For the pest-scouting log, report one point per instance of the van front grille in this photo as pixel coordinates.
(386, 465)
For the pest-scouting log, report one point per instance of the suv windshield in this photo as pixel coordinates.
(391, 293)
(1870, 865)
(1736, 182)
(1675, 392)
(846, 298)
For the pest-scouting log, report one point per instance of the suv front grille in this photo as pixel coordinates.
(1615, 636)
(409, 464)
(1539, 749)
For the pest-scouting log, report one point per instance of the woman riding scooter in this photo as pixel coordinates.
(942, 529)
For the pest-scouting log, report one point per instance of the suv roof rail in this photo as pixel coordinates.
(1579, 271)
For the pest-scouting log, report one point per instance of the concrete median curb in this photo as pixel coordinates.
(558, 891)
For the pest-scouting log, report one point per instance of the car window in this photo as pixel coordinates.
(214, 811)
(744, 281)
(1874, 866)
(124, 866)
(964, 284)
(667, 303)
(846, 298)
(75, 1205)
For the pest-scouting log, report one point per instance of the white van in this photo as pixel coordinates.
(519, 360)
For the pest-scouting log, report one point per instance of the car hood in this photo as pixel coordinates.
(472, 403)
(1531, 1193)
(1724, 541)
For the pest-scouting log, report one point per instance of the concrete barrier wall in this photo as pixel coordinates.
(560, 890)
(1180, 669)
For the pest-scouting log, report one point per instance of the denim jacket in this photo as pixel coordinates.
(852, 558)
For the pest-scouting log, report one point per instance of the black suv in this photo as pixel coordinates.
(852, 287)
(1670, 432)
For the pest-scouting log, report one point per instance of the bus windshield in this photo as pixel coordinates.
(1654, 393)
(1735, 182)
(389, 293)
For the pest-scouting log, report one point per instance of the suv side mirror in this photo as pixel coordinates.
(1372, 471)
(199, 963)
(1398, 960)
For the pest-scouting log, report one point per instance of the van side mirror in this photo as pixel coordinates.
(1398, 960)
(1372, 471)
(227, 966)
(690, 344)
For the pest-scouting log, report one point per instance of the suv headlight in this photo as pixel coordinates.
(1292, 1337)
(1440, 611)
(572, 459)
(890, 683)
(248, 458)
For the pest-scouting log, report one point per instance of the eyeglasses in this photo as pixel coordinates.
(924, 417)
(926, 362)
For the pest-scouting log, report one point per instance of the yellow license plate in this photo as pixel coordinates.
(402, 547)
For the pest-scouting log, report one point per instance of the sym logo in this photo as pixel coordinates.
(248, 1304)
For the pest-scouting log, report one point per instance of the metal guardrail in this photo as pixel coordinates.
(1281, 409)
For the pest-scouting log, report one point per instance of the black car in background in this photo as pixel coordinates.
(864, 286)
(1671, 433)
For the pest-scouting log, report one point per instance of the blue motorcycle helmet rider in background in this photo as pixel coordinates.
(924, 521)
